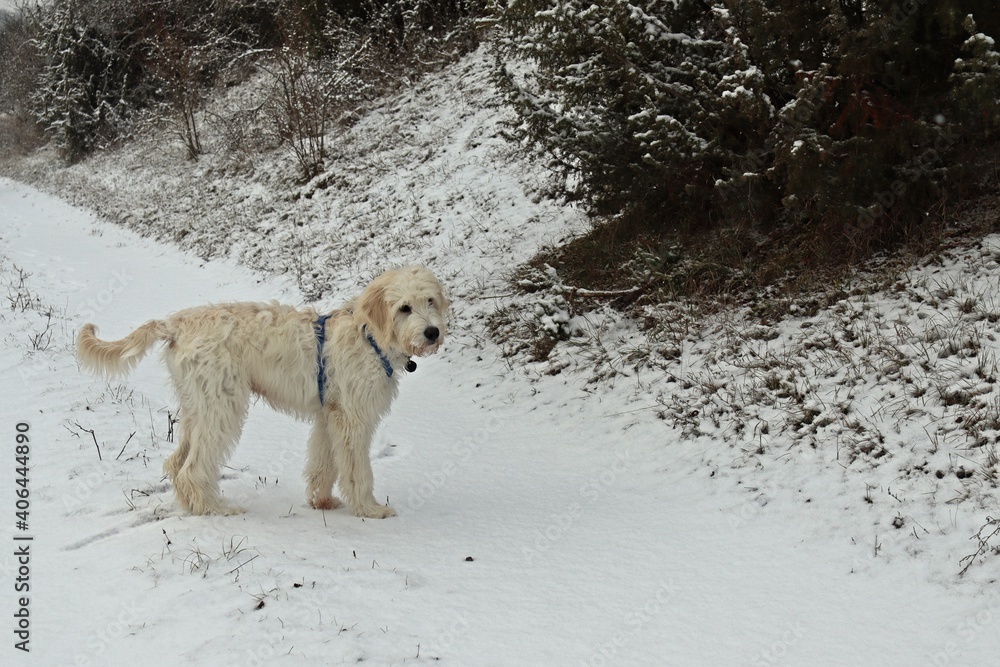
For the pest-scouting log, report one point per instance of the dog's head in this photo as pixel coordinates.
(405, 310)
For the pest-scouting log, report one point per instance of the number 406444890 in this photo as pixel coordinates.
(22, 455)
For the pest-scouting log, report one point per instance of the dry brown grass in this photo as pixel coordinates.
(734, 263)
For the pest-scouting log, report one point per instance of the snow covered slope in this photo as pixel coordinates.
(732, 499)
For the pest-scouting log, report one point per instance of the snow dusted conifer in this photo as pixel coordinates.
(977, 75)
(82, 96)
(829, 126)
(622, 93)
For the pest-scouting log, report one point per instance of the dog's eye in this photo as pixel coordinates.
(430, 301)
(405, 309)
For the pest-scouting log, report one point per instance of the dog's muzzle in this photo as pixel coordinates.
(429, 343)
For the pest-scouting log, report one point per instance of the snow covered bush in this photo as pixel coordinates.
(422, 34)
(334, 57)
(105, 61)
(802, 133)
(188, 45)
(977, 74)
(620, 93)
(85, 90)
(18, 63)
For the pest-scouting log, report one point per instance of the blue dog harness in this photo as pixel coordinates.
(381, 356)
(319, 326)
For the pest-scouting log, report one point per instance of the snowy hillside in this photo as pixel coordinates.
(711, 490)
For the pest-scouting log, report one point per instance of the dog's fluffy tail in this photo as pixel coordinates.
(116, 357)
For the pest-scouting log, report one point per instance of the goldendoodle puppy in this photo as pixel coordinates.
(340, 370)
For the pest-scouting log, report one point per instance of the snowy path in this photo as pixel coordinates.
(594, 539)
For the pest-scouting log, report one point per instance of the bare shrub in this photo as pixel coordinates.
(310, 93)
(191, 46)
(181, 65)
(241, 130)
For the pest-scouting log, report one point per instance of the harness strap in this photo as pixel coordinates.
(381, 356)
(320, 327)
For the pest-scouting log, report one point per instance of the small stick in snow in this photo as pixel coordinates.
(92, 435)
(123, 446)
(984, 543)
(241, 565)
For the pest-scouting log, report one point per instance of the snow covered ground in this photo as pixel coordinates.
(715, 492)
(534, 528)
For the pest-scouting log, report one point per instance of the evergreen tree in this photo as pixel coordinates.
(977, 79)
(832, 124)
(83, 92)
(621, 93)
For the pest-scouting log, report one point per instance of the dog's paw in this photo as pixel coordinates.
(328, 503)
(375, 511)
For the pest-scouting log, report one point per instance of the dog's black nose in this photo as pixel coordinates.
(431, 333)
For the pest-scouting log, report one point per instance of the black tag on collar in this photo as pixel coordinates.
(411, 365)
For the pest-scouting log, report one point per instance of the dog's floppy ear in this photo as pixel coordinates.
(373, 310)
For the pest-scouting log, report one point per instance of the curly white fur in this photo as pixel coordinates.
(220, 355)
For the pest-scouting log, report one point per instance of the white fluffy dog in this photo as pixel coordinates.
(340, 370)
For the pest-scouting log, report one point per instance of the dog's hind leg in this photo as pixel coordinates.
(211, 424)
(321, 466)
(352, 442)
(172, 466)
(196, 483)
(175, 461)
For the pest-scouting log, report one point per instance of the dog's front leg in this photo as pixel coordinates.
(321, 466)
(352, 442)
